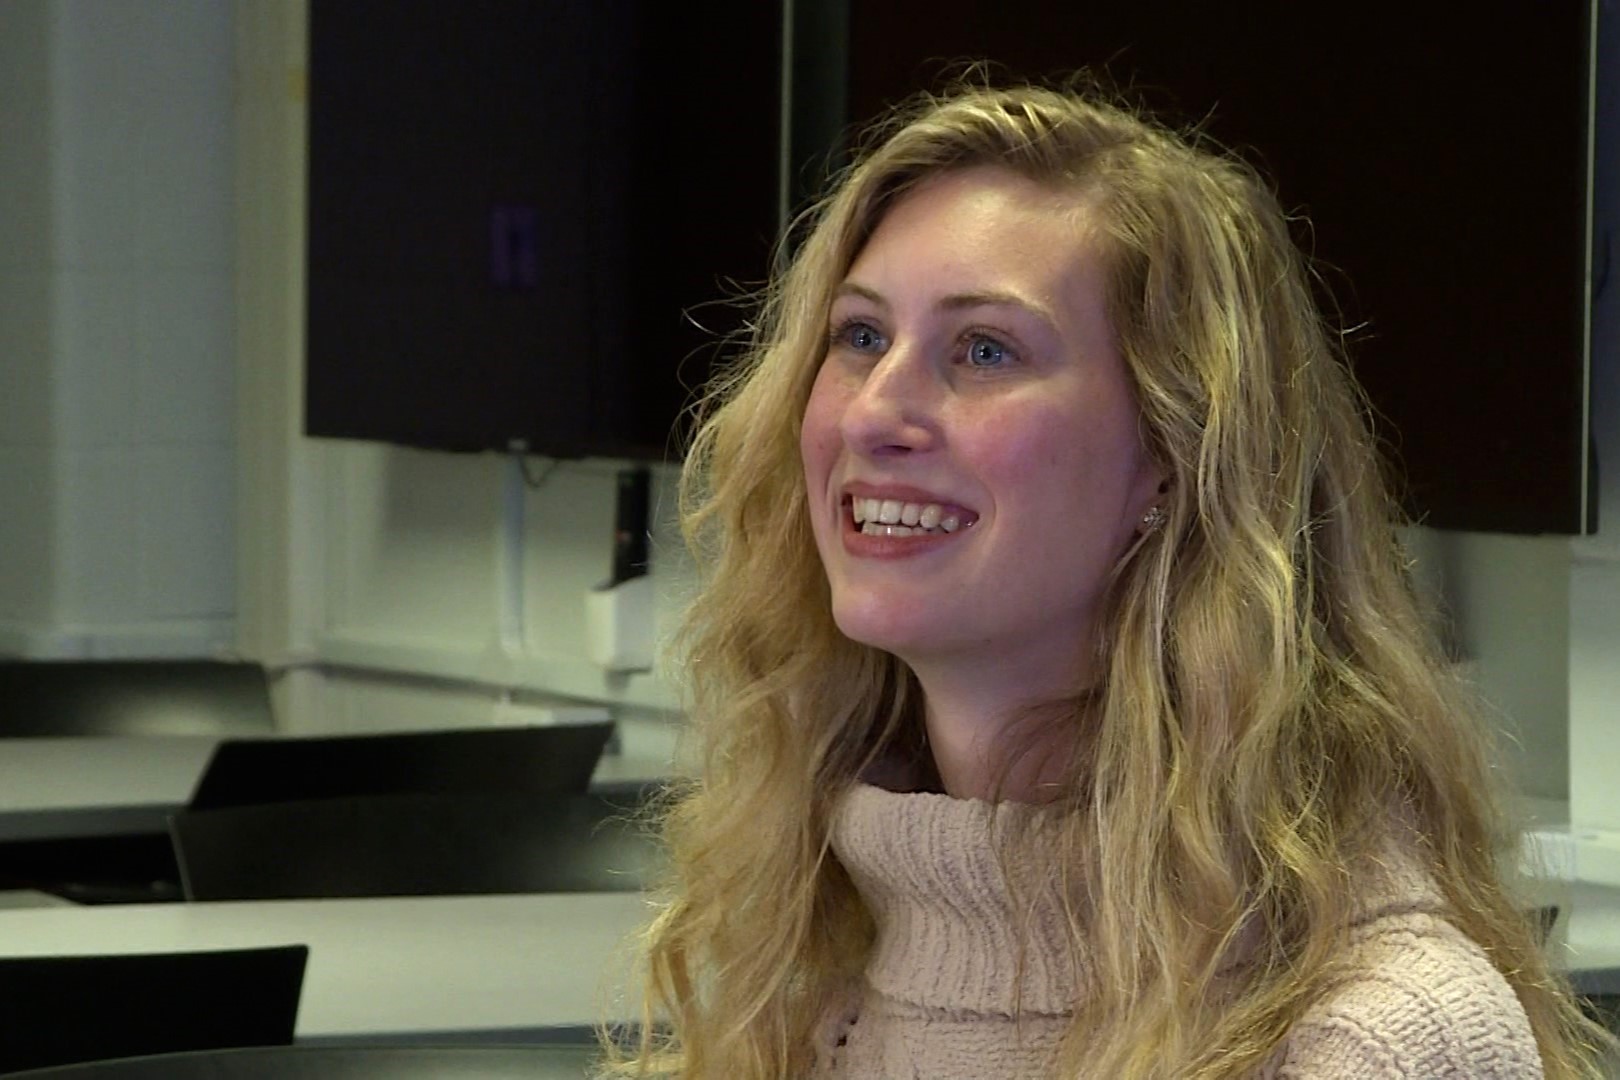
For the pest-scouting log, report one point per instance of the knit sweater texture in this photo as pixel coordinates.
(945, 995)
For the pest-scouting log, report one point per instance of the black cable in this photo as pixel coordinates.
(533, 482)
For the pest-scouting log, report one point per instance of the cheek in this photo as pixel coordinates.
(1031, 452)
(1070, 471)
(819, 438)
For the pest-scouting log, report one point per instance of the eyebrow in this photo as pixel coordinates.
(957, 301)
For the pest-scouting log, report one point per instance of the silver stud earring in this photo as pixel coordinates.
(1154, 518)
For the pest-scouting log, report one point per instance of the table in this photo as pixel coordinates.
(512, 968)
(108, 785)
(111, 785)
(519, 967)
(97, 785)
(1588, 946)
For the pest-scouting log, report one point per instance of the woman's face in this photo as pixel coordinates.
(971, 445)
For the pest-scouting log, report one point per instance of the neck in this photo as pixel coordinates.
(998, 745)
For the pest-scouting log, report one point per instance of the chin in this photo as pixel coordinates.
(881, 628)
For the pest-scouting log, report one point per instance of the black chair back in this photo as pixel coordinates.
(126, 868)
(413, 845)
(558, 757)
(133, 697)
(64, 1009)
(346, 1063)
(114, 698)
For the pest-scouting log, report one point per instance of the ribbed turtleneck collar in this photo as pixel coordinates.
(951, 933)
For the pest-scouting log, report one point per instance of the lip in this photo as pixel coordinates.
(861, 545)
(860, 489)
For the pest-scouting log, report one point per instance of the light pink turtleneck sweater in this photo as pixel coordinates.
(943, 982)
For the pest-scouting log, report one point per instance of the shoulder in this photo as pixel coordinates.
(1420, 999)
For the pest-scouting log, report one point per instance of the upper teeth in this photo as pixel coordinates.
(895, 512)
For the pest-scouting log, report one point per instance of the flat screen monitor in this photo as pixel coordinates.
(1437, 161)
(526, 220)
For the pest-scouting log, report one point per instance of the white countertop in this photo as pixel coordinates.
(419, 967)
(100, 772)
(103, 785)
(1590, 939)
(395, 967)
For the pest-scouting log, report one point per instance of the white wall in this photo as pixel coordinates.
(27, 462)
(1594, 591)
(377, 579)
(1507, 603)
(117, 446)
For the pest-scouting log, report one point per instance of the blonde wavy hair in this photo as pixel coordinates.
(1273, 699)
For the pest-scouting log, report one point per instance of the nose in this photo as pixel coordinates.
(895, 406)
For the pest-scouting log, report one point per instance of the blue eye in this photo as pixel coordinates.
(858, 336)
(986, 352)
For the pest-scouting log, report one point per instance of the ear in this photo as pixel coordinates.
(1148, 490)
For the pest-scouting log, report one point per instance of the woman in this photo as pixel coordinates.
(1064, 706)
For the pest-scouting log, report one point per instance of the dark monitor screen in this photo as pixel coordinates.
(1437, 162)
(506, 252)
(524, 219)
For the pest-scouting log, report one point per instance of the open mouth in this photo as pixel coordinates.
(893, 517)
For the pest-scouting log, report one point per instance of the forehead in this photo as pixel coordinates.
(984, 226)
